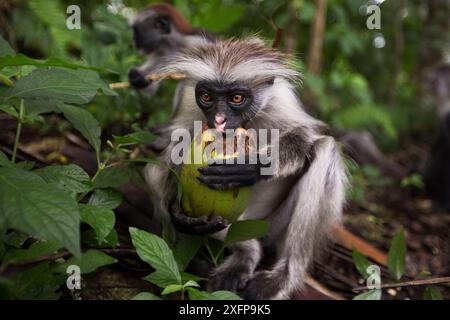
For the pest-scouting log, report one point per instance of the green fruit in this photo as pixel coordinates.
(199, 200)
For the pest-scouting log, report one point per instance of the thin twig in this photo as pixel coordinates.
(441, 280)
(151, 77)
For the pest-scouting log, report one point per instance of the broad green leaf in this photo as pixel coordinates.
(361, 262)
(21, 60)
(160, 278)
(186, 248)
(112, 177)
(246, 230)
(39, 106)
(90, 238)
(37, 249)
(4, 161)
(397, 255)
(155, 251)
(171, 289)
(101, 219)
(84, 122)
(15, 239)
(191, 283)
(225, 295)
(5, 49)
(29, 204)
(37, 283)
(9, 110)
(70, 86)
(186, 276)
(369, 295)
(135, 138)
(89, 261)
(106, 198)
(432, 293)
(69, 178)
(146, 296)
(195, 294)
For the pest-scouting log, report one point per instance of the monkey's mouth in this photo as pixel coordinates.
(220, 126)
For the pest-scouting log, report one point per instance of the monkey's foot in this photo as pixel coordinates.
(232, 279)
(264, 285)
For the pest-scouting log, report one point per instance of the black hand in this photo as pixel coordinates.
(195, 225)
(221, 176)
(137, 80)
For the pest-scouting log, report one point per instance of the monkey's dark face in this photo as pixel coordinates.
(150, 33)
(224, 105)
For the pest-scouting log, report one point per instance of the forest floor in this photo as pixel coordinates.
(385, 211)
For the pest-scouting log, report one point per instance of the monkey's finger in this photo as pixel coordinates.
(180, 218)
(227, 169)
(244, 180)
(215, 225)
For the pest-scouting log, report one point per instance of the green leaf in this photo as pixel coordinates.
(70, 86)
(89, 261)
(37, 249)
(36, 283)
(135, 138)
(432, 293)
(191, 283)
(21, 60)
(171, 289)
(84, 122)
(5, 49)
(9, 110)
(15, 239)
(369, 295)
(69, 178)
(185, 250)
(155, 251)
(195, 294)
(225, 295)
(112, 177)
(106, 198)
(160, 278)
(397, 255)
(186, 276)
(89, 237)
(29, 204)
(146, 296)
(102, 220)
(246, 230)
(361, 262)
(4, 161)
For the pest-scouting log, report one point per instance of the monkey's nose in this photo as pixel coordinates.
(220, 121)
(220, 118)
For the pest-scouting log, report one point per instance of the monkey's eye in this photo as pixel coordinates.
(206, 98)
(237, 99)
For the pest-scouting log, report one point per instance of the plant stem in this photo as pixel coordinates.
(213, 258)
(422, 282)
(19, 129)
(182, 294)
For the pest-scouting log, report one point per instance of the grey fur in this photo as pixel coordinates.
(301, 206)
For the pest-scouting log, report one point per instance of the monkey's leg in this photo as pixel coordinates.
(315, 202)
(237, 268)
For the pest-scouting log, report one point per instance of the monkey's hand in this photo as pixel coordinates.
(195, 225)
(221, 176)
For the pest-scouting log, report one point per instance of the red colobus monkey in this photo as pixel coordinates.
(304, 196)
(160, 31)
